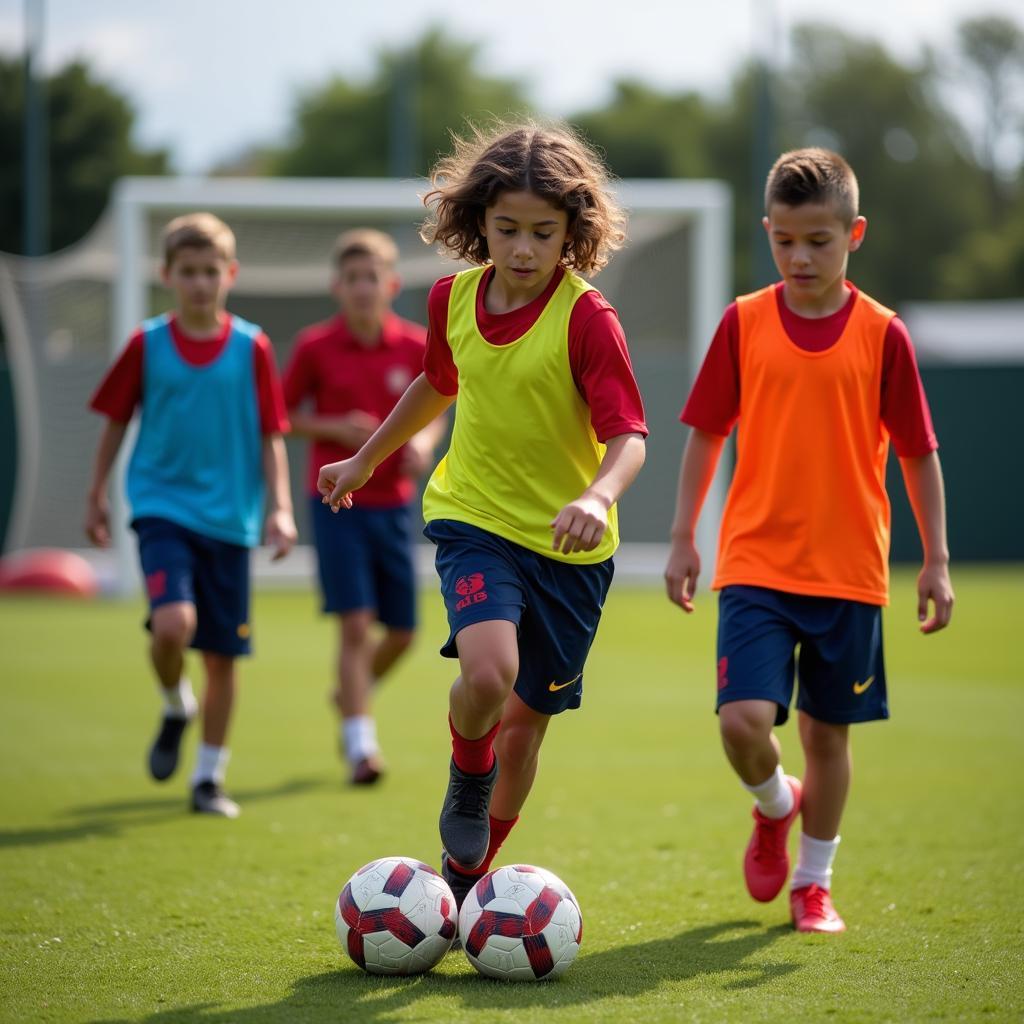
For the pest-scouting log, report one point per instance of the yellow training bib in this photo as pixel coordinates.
(522, 446)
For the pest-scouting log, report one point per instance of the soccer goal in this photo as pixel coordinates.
(65, 316)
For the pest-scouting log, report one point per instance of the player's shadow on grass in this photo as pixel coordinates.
(732, 955)
(117, 816)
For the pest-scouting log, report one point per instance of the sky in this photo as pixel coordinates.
(208, 78)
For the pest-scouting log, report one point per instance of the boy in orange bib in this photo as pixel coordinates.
(818, 377)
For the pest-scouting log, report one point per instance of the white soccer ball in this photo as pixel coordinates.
(396, 915)
(521, 923)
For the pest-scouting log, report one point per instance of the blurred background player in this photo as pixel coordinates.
(549, 432)
(352, 369)
(818, 376)
(211, 416)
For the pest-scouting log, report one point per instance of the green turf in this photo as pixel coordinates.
(119, 906)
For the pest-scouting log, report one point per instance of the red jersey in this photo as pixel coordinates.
(598, 356)
(332, 368)
(120, 391)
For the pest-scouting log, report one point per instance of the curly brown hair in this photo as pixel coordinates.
(552, 161)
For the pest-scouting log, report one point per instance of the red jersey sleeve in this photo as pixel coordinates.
(273, 417)
(601, 368)
(297, 382)
(905, 411)
(438, 364)
(120, 391)
(714, 402)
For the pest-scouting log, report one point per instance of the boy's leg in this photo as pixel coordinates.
(517, 748)
(756, 641)
(352, 695)
(167, 565)
(826, 785)
(489, 662)
(842, 681)
(223, 634)
(389, 649)
(208, 796)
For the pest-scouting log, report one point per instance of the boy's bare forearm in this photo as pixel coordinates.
(623, 459)
(696, 471)
(275, 474)
(922, 477)
(106, 454)
(416, 409)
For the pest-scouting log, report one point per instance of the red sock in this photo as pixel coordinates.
(474, 757)
(499, 833)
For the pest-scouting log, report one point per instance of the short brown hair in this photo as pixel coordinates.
(552, 161)
(197, 231)
(813, 175)
(364, 242)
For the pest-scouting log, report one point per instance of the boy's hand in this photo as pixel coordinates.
(681, 573)
(580, 525)
(280, 533)
(415, 459)
(337, 481)
(354, 429)
(934, 584)
(97, 521)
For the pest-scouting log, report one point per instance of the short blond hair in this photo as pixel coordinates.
(364, 242)
(197, 231)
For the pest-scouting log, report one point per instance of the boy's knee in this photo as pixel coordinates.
(355, 628)
(173, 625)
(742, 726)
(824, 739)
(488, 682)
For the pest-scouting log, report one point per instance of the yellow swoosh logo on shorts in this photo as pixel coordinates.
(859, 688)
(555, 687)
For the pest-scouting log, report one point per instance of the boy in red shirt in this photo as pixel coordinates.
(351, 370)
(818, 376)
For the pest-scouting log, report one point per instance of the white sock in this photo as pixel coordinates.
(814, 863)
(179, 701)
(359, 734)
(774, 797)
(211, 764)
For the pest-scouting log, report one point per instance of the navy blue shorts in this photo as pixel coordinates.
(182, 565)
(840, 663)
(365, 557)
(555, 606)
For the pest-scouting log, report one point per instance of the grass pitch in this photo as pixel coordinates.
(118, 905)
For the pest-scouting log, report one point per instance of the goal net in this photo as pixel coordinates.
(65, 316)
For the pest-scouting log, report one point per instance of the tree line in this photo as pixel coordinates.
(937, 142)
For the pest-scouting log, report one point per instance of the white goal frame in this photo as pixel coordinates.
(707, 203)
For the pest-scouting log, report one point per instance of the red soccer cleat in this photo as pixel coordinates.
(766, 863)
(813, 911)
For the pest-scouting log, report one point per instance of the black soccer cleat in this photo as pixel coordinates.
(460, 882)
(464, 823)
(209, 798)
(163, 754)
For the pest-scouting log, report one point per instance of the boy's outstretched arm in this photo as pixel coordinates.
(697, 470)
(581, 524)
(420, 405)
(279, 531)
(922, 477)
(97, 508)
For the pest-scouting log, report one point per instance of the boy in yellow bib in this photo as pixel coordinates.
(549, 432)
